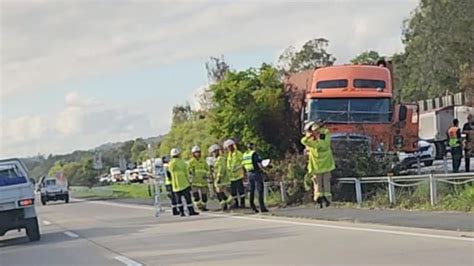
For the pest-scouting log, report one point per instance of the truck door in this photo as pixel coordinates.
(405, 127)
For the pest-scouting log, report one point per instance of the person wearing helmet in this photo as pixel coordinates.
(317, 142)
(169, 187)
(252, 166)
(234, 170)
(180, 182)
(199, 170)
(221, 180)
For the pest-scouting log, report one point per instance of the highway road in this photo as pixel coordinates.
(107, 233)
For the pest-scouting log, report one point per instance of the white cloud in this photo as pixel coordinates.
(44, 43)
(83, 123)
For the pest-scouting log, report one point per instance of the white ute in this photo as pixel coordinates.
(17, 200)
(54, 189)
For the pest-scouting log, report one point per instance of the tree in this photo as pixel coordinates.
(312, 55)
(138, 146)
(249, 106)
(181, 113)
(439, 46)
(216, 69)
(366, 58)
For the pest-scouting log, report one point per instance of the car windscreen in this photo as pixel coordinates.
(50, 182)
(10, 176)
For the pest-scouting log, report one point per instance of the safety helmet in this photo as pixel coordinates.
(214, 147)
(309, 125)
(228, 143)
(174, 152)
(195, 149)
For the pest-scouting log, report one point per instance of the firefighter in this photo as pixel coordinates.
(454, 142)
(252, 165)
(468, 129)
(234, 170)
(180, 182)
(320, 162)
(221, 179)
(169, 187)
(199, 170)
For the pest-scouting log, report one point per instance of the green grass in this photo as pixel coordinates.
(449, 199)
(138, 191)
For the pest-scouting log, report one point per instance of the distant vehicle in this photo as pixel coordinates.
(116, 174)
(54, 189)
(142, 173)
(17, 208)
(426, 151)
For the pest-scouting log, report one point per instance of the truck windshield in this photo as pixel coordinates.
(359, 110)
(9, 176)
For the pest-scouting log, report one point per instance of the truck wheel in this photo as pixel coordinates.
(428, 163)
(32, 229)
(66, 199)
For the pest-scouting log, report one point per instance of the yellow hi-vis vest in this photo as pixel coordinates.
(199, 170)
(247, 162)
(179, 174)
(234, 165)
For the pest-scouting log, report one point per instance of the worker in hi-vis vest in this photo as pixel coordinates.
(169, 187)
(221, 179)
(180, 182)
(199, 171)
(252, 165)
(455, 144)
(236, 175)
(317, 141)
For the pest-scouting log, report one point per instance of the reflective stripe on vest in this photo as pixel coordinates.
(247, 162)
(453, 137)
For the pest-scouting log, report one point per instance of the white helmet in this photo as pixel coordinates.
(228, 143)
(195, 149)
(174, 152)
(214, 147)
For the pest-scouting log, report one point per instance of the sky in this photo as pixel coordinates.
(76, 74)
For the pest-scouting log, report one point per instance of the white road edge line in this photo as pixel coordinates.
(70, 234)
(46, 222)
(315, 224)
(127, 261)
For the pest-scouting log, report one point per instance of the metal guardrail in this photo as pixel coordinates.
(415, 180)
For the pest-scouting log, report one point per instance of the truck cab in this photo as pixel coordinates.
(356, 104)
(17, 200)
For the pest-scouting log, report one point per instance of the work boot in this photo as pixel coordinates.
(225, 207)
(319, 201)
(181, 211)
(175, 211)
(204, 208)
(264, 210)
(328, 203)
(192, 212)
(242, 203)
(254, 208)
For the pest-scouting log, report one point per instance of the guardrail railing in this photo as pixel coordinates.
(409, 181)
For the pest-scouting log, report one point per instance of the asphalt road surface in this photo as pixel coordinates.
(105, 233)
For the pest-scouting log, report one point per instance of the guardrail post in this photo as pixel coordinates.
(358, 190)
(391, 191)
(433, 190)
(418, 163)
(445, 164)
(283, 191)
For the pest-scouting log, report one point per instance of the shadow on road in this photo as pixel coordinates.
(47, 238)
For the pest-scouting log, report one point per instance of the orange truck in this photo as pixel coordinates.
(357, 104)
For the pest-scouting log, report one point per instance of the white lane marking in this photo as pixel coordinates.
(361, 229)
(46, 222)
(70, 234)
(127, 261)
(315, 224)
